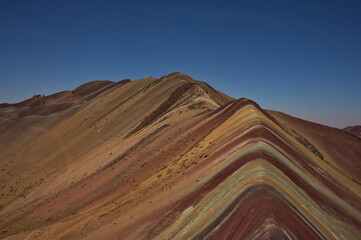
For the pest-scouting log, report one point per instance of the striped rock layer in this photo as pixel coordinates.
(172, 158)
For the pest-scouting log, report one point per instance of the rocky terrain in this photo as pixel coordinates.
(172, 158)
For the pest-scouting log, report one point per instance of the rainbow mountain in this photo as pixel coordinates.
(172, 158)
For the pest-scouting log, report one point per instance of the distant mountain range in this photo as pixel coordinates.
(355, 130)
(172, 158)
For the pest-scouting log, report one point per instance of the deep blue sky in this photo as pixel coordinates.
(300, 57)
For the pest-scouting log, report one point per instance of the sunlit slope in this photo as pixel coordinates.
(89, 139)
(172, 158)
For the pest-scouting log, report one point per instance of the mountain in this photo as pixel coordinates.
(172, 158)
(355, 130)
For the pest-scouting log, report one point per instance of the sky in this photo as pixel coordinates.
(301, 57)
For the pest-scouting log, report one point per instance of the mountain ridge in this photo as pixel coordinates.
(173, 158)
(354, 130)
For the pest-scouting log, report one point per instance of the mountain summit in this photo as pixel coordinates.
(172, 158)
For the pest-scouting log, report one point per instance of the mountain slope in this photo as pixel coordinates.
(172, 158)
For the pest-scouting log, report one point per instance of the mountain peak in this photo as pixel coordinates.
(178, 75)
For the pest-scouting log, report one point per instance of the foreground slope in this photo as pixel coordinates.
(172, 158)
